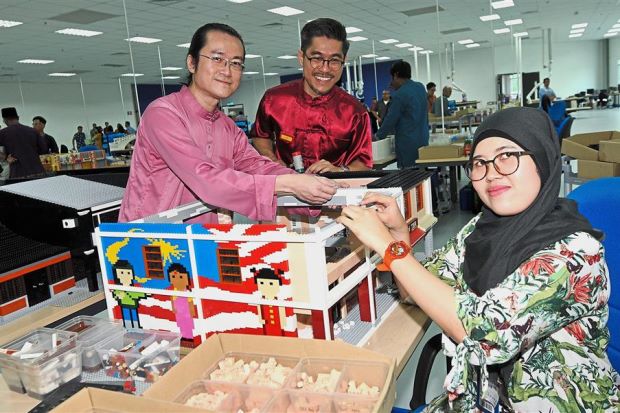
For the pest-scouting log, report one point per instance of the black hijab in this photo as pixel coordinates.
(499, 244)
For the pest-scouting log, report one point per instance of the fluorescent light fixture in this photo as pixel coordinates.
(239, 1)
(513, 22)
(383, 58)
(610, 34)
(490, 17)
(250, 73)
(171, 68)
(61, 74)
(287, 57)
(579, 25)
(300, 68)
(388, 41)
(616, 26)
(170, 77)
(575, 35)
(614, 30)
(472, 45)
(251, 56)
(502, 4)
(270, 74)
(185, 45)
(132, 74)
(402, 45)
(416, 48)
(353, 30)
(426, 52)
(521, 34)
(9, 23)
(357, 38)
(369, 56)
(577, 31)
(140, 39)
(502, 30)
(465, 41)
(35, 61)
(285, 11)
(78, 32)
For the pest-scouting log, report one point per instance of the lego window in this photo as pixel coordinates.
(12, 289)
(152, 261)
(58, 272)
(228, 264)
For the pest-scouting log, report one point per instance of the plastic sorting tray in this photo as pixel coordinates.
(143, 355)
(252, 369)
(225, 397)
(41, 361)
(92, 331)
(317, 375)
(301, 402)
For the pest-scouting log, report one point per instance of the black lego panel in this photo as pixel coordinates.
(404, 178)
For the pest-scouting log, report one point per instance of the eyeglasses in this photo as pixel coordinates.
(505, 163)
(235, 64)
(316, 61)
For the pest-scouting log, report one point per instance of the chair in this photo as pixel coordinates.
(563, 129)
(430, 351)
(557, 111)
(599, 201)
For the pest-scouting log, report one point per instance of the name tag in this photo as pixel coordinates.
(286, 138)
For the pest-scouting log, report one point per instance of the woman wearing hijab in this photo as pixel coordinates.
(521, 291)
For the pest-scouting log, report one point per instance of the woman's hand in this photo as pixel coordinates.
(367, 227)
(389, 214)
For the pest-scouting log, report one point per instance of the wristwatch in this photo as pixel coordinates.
(396, 250)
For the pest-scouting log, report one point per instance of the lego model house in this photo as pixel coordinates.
(295, 277)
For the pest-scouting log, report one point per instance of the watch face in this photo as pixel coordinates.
(397, 249)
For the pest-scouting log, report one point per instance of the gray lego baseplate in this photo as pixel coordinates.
(67, 191)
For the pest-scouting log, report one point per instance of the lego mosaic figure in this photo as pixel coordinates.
(271, 317)
(128, 300)
(183, 307)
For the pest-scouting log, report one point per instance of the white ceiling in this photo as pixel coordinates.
(265, 33)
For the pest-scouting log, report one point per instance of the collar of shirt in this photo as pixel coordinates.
(190, 102)
(319, 100)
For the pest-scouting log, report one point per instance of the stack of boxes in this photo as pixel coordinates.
(597, 153)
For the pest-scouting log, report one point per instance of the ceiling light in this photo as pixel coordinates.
(579, 25)
(61, 74)
(388, 41)
(287, 56)
(35, 61)
(286, 11)
(140, 39)
(513, 22)
(353, 30)
(357, 38)
(426, 52)
(170, 77)
(9, 23)
(383, 58)
(270, 74)
(369, 56)
(250, 73)
(466, 41)
(614, 30)
(472, 45)
(132, 74)
(185, 45)
(489, 17)
(401, 45)
(239, 1)
(416, 48)
(502, 30)
(610, 34)
(78, 32)
(575, 35)
(171, 68)
(521, 34)
(577, 31)
(251, 56)
(300, 68)
(502, 4)
(616, 26)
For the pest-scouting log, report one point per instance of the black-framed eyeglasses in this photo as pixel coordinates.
(505, 163)
(317, 61)
(235, 64)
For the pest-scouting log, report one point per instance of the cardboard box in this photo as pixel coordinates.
(596, 169)
(194, 366)
(91, 400)
(441, 152)
(609, 151)
(577, 146)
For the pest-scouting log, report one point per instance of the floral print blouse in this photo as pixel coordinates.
(549, 316)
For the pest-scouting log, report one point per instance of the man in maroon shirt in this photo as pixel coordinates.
(329, 127)
(23, 145)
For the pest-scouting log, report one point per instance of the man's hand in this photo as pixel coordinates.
(11, 159)
(312, 189)
(322, 166)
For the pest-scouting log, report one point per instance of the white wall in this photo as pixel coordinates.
(614, 61)
(60, 103)
(251, 92)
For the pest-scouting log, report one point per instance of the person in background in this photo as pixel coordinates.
(545, 89)
(93, 131)
(313, 116)
(4, 165)
(407, 116)
(98, 138)
(129, 129)
(38, 123)
(382, 106)
(120, 129)
(22, 145)
(445, 94)
(241, 117)
(521, 293)
(79, 138)
(188, 150)
(431, 87)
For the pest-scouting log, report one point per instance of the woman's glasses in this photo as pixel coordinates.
(505, 163)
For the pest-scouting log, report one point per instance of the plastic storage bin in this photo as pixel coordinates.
(301, 402)
(41, 361)
(253, 369)
(317, 375)
(143, 355)
(92, 331)
(225, 397)
(364, 379)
